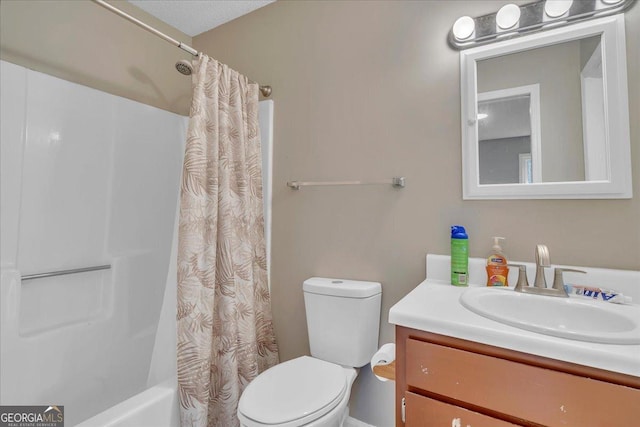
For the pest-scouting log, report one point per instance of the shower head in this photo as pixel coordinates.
(184, 67)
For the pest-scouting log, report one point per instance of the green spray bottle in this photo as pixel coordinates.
(459, 256)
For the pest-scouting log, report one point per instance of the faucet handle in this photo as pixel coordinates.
(522, 276)
(558, 280)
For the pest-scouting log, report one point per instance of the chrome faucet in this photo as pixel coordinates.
(540, 284)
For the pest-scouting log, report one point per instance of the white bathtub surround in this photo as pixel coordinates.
(87, 179)
(154, 407)
(222, 274)
(265, 117)
(163, 359)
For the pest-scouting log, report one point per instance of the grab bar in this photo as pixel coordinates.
(65, 272)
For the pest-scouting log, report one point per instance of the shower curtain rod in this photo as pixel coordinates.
(265, 90)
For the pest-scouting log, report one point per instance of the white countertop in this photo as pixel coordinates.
(434, 306)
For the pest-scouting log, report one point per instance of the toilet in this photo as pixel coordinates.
(343, 318)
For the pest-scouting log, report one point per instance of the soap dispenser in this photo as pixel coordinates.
(497, 270)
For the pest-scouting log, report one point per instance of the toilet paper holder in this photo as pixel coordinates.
(383, 362)
(386, 371)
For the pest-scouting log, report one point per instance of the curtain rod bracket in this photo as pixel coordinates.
(265, 91)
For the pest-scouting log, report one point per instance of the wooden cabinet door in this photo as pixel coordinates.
(424, 412)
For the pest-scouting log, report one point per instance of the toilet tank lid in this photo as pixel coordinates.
(341, 287)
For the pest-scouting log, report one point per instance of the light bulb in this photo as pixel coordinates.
(556, 8)
(508, 16)
(463, 28)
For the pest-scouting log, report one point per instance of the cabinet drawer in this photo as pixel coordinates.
(425, 412)
(543, 396)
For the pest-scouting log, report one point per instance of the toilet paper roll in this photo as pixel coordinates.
(384, 356)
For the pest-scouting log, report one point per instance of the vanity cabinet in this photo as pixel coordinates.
(443, 381)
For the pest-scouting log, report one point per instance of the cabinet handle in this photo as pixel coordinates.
(403, 410)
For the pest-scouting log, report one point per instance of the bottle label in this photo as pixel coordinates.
(497, 275)
(459, 262)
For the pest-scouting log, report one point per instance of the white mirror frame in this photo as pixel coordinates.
(617, 140)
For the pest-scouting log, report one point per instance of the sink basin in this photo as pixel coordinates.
(572, 318)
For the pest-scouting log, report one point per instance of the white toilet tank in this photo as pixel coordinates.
(343, 319)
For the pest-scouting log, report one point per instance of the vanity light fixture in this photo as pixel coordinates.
(557, 8)
(463, 28)
(513, 21)
(508, 16)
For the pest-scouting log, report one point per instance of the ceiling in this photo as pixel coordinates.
(193, 17)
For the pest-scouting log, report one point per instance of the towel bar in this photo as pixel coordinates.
(396, 182)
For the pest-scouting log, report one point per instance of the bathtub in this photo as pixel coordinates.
(155, 407)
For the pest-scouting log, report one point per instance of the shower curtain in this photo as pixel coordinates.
(225, 331)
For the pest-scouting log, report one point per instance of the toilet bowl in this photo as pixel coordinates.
(343, 319)
(305, 392)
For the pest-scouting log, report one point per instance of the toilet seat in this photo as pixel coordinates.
(295, 392)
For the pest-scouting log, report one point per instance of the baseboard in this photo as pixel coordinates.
(352, 422)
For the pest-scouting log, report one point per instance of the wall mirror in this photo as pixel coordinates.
(545, 116)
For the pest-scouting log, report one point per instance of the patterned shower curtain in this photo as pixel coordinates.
(225, 332)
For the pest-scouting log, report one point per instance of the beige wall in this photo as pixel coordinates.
(370, 90)
(79, 41)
